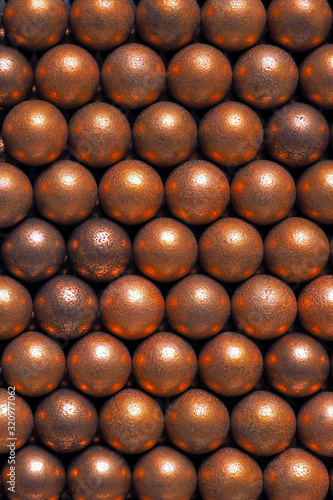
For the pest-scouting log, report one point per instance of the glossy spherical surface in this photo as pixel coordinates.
(296, 249)
(131, 192)
(164, 364)
(131, 421)
(197, 192)
(33, 363)
(197, 307)
(230, 250)
(34, 133)
(230, 134)
(263, 423)
(230, 364)
(66, 307)
(164, 134)
(16, 77)
(99, 135)
(316, 73)
(132, 307)
(15, 195)
(67, 76)
(99, 364)
(34, 250)
(315, 307)
(315, 424)
(22, 425)
(65, 421)
(15, 307)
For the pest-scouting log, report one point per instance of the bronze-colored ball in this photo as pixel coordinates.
(197, 192)
(264, 307)
(34, 250)
(315, 307)
(15, 195)
(296, 249)
(263, 192)
(295, 473)
(99, 250)
(67, 76)
(316, 73)
(315, 424)
(233, 26)
(131, 192)
(299, 25)
(164, 473)
(165, 249)
(197, 307)
(99, 135)
(164, 134)
(133, 76)
(101, 25)
(131, 421)
(265, 77)
(229, 473)
(98, 473)
(66, 307)
(15, 307)
(33, 363)
(34, 133)
(99, 364)
(199, 76)
(132, 307)
(65, 193)
(230, 134)
(230, 364)
(16, 77)
(262, 423)
(231, 250)
(297, 135)
(35, 26)
(65, 421)
(38, 474)
(197, 422)
(297, 365)
(167, 24)
(164, 364)
(12, 405)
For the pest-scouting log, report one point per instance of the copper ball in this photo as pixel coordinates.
(65, 421)
(164, 134)
(66, 307)
(101, 25)
(230, 364)
(231, 250)
(263, 192)
(315, 424)
(133, 76)
(197, 192)
(229, 473)
(167, 24)
(230, 134)
(98, 473)
(315, 307)
(15, 430)
(197, 422)
(34, 133)
(131, 421)
(264, 307)
(99, 135)
(131, 307)
(99, 364)
(165, 249)
(15, 195)
(65, 193)
(297, 135)
(316, 73)
(33, 363)
(35, 26)
(16, 77)
(197, 307)
(67, 76)
(131, 192)
(296, 249)
(15, 307)
(34, 250)
(263, 423)
(164, 364)
(164, 473)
